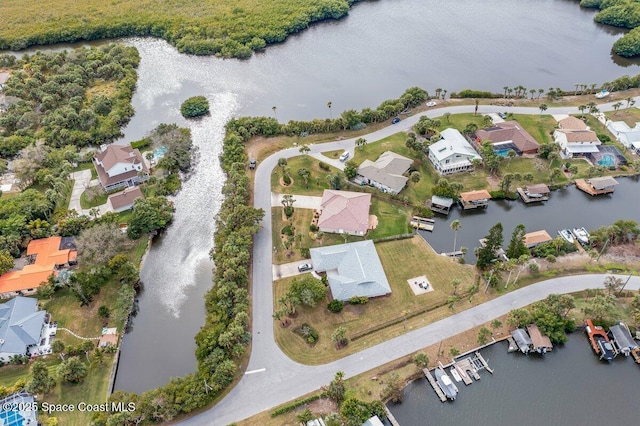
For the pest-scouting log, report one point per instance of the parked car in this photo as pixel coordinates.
(395, 120)
(502, 115)
(252, 164)
(344, 156)
(305, 267)
(431, 103)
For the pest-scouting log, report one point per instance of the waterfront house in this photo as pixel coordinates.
(453, 153)
(17, 409)
(353, 270)
(597, 186)
(124, 200)
(536, 238)
(509, 135)
(386, 173)
(344, 212)
(46, 257)
(120, 166)
(572, 123)
(475, 199)
(627, 136)
(22, 327)
(576, 143)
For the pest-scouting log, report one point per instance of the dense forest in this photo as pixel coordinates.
(619, 13)
(78, 98)
(202, 27)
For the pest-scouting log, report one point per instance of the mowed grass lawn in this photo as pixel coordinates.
(541, 127)
(401, 260)
(318, 178)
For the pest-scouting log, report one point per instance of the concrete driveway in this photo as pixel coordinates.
(82, 181)
(288, 269)
(332, 161)
(302, 201)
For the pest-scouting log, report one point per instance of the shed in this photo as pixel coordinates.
(533, 239)
(522, 340)
(622, 339)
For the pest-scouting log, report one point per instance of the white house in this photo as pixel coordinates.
(21, 326)
(453, 153)
(576, 142)
(386, 173)
(120, 166)
(627, 136)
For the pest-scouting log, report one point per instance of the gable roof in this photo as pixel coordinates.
(452, 143)
(539, 188)
(602, 182)
(20, 324)
(352, 269)
(345, 210)
(509, 131)
(572, 123)
(114, 154)
(125, 198)
(580, 135)
(387, 170)
(478, 195)
(441, 201)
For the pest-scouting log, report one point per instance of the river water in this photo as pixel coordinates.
(374, 54)
(568, 386)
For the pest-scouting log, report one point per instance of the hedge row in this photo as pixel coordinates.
(296, 404)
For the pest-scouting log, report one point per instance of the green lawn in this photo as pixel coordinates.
(333, 154)
(423, 260)
(87, 166)
(541, 127)
(393, 219)
(88, 201)
(630, 116)
(318, 178)
(460, 121)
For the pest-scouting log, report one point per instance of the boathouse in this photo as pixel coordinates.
(475, 199)
(541, 343)
(534, 193)
(522, 340)
(597, 186)
(536, 238)
(441, 204)
(621, 339)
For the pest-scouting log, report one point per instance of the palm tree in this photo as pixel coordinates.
(447, 115)
(543, 108)
(455, 225)
(592, 88)
(444, 94)
(532, 91)
(304, 150)
(329, 106)
(540, 92)
(505, 90)
(438, 91)
(576, 92)
(361, 142)
(616, 107)
(582, 108)
(274, 108)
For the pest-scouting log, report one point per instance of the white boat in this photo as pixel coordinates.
(455, 374)
(602, 94)
(581, 235)
(567, 235)
(445, 383)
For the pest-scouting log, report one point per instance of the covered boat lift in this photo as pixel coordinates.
(541, 343)
(621, 338)
(441, 204)
(522, 340)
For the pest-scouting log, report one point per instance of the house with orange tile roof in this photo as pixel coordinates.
(344, 212)
(46, 255)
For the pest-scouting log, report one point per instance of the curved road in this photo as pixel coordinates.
(272, 378)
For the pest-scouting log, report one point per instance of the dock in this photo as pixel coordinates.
(390, 417)
(422, 223)
(441, 204)
(484, 363)
(434, 385)
(534, 193)
(541, 343)
(512, 345)
(465, 369)
(454, 254)
(475, 199)
(597, 186)
(636, 355)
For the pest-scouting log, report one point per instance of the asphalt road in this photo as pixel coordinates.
(272, 378)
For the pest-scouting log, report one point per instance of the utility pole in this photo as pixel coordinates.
(625, 283)
(602, 251)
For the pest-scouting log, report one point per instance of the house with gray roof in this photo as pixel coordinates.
(627, 136)
(21, 326)
(386, 173)
(453, 153)
(352, 269)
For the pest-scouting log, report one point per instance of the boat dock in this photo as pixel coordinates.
(541, 343)
(474, 199)
(534, 193)
(512, 345)
(454, 254)
(464, 369)
(597, 186)
(434, 385)
(422, 223)
(636, 355)
(390, 417)
(483, 362)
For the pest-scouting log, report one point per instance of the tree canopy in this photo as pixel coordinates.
(195, 106)
(150, 214)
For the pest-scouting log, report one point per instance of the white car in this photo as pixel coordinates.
(344, 156)
(431, 104)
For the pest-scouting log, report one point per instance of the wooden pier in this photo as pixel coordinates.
(635, 353)
(464, 368)
(512, 345)
(390, 417)
(475, 199)
(422, 223)
(434, 385)
(454, 254)
(480, 358)
(534, 193)
(597, 186)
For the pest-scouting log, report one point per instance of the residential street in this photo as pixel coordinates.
(272, 378)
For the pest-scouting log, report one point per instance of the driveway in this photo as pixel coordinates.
(332, 161)
(272, 378)
(302, 201)
(82, 181)
(288, 269)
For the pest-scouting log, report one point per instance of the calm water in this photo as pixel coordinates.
(567, 208)
(568, 386)
(375, 53)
